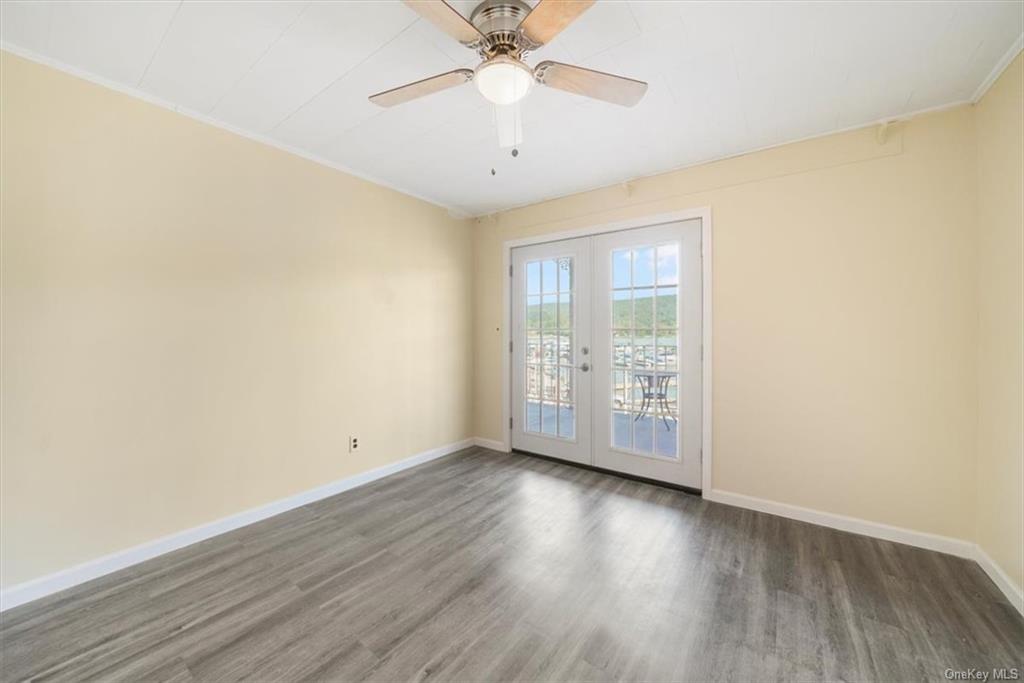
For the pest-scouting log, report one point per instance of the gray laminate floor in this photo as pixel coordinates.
(482, 566)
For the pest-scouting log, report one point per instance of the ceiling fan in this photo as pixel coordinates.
(502, 32)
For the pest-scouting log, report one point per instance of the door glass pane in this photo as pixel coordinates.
(637, 384)
(666, 305)
(621, 389)
(621, 424)
(621, 265)
(549, 348)
(532, 383)
(533, 278)
(665, 438)
(565, 275)
(622, 348)
(666, 410)
(643, 432)
(622, 309)
(565, 396)
(565, 311)
(567, 422)
(549, 312)
(549, 383)
(532, 346)
(668, 264)
(643, 307)
(669, 395)
(565, 348)
(643, 349)
(551, 323)
(668, 351)
(549, 418)
(549, 277)
(643, 401)
(532, 416)
(643, 267)
(533, 312)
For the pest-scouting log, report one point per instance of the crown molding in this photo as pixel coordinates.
(998, 69)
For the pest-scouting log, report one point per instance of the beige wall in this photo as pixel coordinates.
(193, 323)
(1000, 131)
(845, 289)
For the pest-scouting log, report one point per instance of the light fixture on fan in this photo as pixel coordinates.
(503, 80)
(502, 32)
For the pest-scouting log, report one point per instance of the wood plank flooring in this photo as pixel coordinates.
(491, 567)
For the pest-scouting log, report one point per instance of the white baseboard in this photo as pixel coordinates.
(919, 539)
(66, 578)
(489, 443)
(943, 544)
(1000, 578)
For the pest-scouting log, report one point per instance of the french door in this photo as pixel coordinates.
(551, 330)
(606, 351)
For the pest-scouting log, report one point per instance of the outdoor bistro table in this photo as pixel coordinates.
(654, 392)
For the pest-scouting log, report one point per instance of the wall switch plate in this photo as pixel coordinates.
(353, 444)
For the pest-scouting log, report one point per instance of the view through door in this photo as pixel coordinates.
(606, 344)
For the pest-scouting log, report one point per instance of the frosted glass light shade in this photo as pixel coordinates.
(503, 80)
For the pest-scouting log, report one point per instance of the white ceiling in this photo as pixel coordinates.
(725, 78)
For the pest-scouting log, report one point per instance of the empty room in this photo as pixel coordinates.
(511, 340)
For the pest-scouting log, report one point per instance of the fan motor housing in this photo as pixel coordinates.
(498, 21)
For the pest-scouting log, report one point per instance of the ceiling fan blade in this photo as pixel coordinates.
(428, 86)
(443, 16)
(590, 83)
(550, 17)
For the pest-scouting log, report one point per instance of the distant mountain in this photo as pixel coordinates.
(547, 314)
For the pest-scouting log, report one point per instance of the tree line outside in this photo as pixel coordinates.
(545, 316)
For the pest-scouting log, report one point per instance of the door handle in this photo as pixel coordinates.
(585, 367)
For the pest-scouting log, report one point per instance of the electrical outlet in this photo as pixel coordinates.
(353, 444)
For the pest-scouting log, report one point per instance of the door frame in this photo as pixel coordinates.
(704, 214)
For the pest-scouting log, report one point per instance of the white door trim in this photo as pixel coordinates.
(704, 214)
